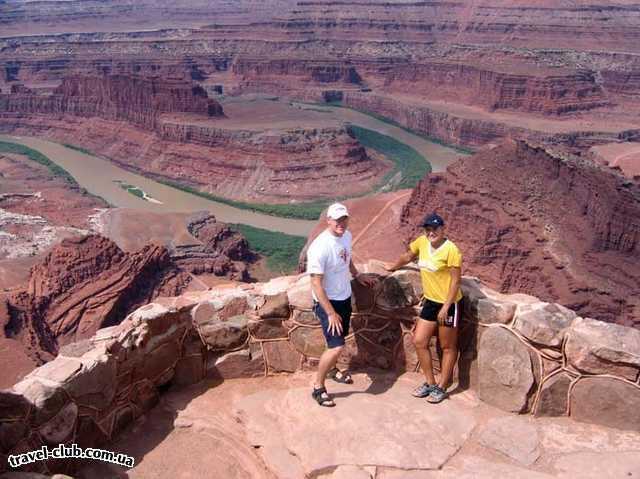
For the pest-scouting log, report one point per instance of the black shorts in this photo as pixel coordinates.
(343, 308)
(430, 311)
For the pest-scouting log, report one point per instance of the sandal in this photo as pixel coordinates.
(322, 397)
(340, 376)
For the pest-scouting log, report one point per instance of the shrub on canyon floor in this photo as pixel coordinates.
(280, 249)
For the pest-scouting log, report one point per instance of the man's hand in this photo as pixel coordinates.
(442, 314)
(335, 324)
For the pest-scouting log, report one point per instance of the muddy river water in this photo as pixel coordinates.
(103, 178)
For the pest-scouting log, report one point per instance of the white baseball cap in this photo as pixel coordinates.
(337, 211)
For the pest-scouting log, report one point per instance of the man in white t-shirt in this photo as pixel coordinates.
(329, 264)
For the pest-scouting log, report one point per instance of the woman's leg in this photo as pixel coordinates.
(421, 337)
(449, 343)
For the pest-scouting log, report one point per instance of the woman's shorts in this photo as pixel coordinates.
(343, 308)
(430, 311)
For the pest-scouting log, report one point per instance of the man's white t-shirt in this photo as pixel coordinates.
(330, 256)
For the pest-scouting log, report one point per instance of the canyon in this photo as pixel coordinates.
(528, 220)
(145, 329)
(161, 127)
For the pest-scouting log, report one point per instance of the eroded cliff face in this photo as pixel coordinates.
(530, 221)
(139, 100)
(269, 166)
(86, 283)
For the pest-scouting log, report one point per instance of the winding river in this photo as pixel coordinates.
(103, 178)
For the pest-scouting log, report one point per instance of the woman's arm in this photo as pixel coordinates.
(456, 274)
(402, 260)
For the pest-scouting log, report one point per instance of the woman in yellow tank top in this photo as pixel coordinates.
(440, 263)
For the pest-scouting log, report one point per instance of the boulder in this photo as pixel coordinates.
(59, 370)
(281, 356)
(276, 286)
(543, 323)
(553, 396)
(484, 305)
(220, 308)
(406, 358)
(13, 406)
(403, 288)
(95, 385)
(305, 318)
(46, 397)
(299, 293)
(245, 363)
(596, 347)
(60, 427)
(309, 341)
(606, 401)
(505, 370)
(276, 306)
(270, 328)
(363, 297)
(225, 335)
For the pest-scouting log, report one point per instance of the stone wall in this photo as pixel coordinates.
(518, 353)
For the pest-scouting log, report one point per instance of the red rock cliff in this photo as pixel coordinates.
(529, 221)
(140, 100)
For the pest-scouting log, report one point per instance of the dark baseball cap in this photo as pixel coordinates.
(433, 220)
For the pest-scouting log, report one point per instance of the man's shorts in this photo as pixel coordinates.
(343, 308)
(430, 310)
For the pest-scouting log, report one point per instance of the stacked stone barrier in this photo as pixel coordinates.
(518, 353)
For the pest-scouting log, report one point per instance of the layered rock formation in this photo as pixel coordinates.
(264, 166)
(162, 128)
(531, 221)
(86, 283)
(518, 353)
(467, 74)
(37, 210)
(139, 100)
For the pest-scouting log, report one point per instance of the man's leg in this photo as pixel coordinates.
(328, 361)
(421, 338)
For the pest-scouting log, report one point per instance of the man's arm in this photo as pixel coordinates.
(335, 321)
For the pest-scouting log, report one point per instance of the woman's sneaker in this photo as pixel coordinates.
(437, 395)
(423, 390)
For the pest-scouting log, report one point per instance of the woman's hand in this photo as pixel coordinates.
(389, 267)
(442, 314)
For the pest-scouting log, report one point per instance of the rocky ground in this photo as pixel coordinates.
(32, 218)
(271, 427)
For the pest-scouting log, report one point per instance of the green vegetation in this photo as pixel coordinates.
(134, 190)
(8, 147)
(280, 249)
(388, 121)
(411, 164)
(307, 211)
(78, 148)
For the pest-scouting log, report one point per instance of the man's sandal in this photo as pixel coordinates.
(322, 397)
(340, 376)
